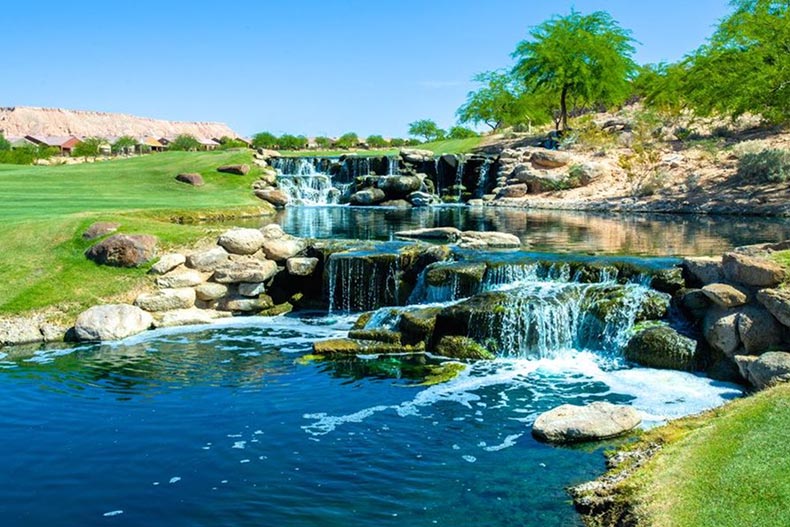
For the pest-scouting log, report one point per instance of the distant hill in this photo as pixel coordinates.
(23, 120)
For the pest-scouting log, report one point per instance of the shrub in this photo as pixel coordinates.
(291, 142)
(461, 132)
(397, 142)
(347, 140)
(323, 142)
(4, 144)
(264, 140)
(771, 165)
(376, 141)
(184, 143)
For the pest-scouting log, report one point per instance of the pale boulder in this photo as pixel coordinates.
(111, 322)
(241, 241)
(595, 421)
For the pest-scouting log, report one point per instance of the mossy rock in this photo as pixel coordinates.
(662, 347)
(363, 320)
(441, 373)
(467, 273)
(351, 347)
(417, 325)
(279, 309)
(378, 335)
(484, 309)
(668, 280)
(460, 347)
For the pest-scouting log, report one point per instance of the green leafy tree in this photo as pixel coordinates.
(427, 129)
(264, 140)
(184, 143)
(322, 142)
(89, 147)
(746, 65)
(581, 59)
(4, 144)
(227, 143)
(347, 140)
(461, 132)
(503, 100)
(124, 145)
(291, 142)
(397, 142)
(376, 141)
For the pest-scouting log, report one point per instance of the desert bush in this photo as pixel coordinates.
(771, 166)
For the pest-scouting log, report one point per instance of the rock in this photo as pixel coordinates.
(446, 234)
(99, 229)
(587, 173)
(368, 196)
(279, 246)
(572, 424)
(750, 270)
(416, 325)
(399, 186)
(662, 347)
(19, 330)
(695, 303)
(777, 302)
(122, 250)
(111, 322)
(416, 156)
(464, 277)
(188, 317)
(240, 170)
(703, 270)
(251, 270)
(720, 327)
(241, 241)
(767, 370)
(207, 261)
(377, 334)
(53, 332)
(276, 197)
(396, 204)
(460, 347)
(518, 190)
(167, 262)
(549, 158)
(211, 291)
(166, 299)
(191, 178)
(251, 289)
(758, 329)
(724, 295)
(245, 305)
(489, 239)
(180, 278)
(339, 348)
(420, 199)
(301, 266)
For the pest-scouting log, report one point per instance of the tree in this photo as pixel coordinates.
(184, 143)
(4, 144)
(89, 147)
(397, 142)
(291, 142)
(264, 140)
(323, 142)
(376, 141)
(227, 142)
(582, 59)
(347, 140)
(745, 67)
(124, 145)
(426, 128)
(461, 132)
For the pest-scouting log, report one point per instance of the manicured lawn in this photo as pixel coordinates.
(726, 469)
(449, 146)
(45, 210)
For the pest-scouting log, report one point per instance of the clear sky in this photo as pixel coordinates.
(315, 67)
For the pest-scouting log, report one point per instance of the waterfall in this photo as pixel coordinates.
(358, 282)
(392, 166)
(459, 176)
(303, 183)
(482, 178)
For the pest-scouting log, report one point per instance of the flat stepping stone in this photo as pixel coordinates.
(574, 424)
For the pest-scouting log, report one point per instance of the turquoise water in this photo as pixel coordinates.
(227, 426)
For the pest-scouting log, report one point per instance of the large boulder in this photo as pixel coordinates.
(241, 304)
(396, 204)
(123, 250)
(751, 270)
(461, 347)
(208, 261)
(777, 301)
(703, 270)
(443, 234)
(180, 278)
(301, 266)
(240, 169)
(519, 190)
(211, 291)
(758, 329)
(416, 156)
(662, 347)
(572, 424)
(19, 330)
(766, 370)
(191, 178)
(720, 328)
(99, 229)
(368, 196)
(399, 186)
(549, 158)
(250, 270)
(241, 241)
(251, 289)
(111, 322)
(274, 196)
(489, 239)
(167, 262)
(279, 246)
(188, 317)
(725, 295)
(166, 299)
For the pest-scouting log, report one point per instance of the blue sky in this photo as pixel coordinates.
(312, 67)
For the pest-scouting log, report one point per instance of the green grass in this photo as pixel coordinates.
(448, 146)
(453, 146)
(337, 153)
(728, 468)
(46, 209)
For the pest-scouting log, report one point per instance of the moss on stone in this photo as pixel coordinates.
(662, 347)
(377, 335)
(444, 372)
(460, 347)
(417, 325)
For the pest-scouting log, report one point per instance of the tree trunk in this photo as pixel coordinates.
(564, 108)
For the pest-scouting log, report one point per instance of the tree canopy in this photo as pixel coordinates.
(89, 147)
(124, 145)
(4, 144)
(581, 59)
(184, 142)
(427, 129)
(347, 140)
(264, 140)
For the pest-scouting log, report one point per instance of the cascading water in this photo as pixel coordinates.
(482, 178)
(459, 177)
(358, 282)
(300, 180)
(392, 166)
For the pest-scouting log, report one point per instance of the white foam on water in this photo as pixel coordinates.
(507, 443)
(113, 513)
(240, 444)
(470, 459)
(174, 479)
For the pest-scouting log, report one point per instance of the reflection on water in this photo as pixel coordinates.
(541, 230)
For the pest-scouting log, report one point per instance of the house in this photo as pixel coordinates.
(19, 142)
(65, 143)
(150, 144)
(207, 144)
